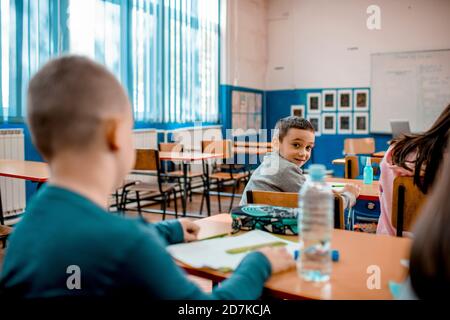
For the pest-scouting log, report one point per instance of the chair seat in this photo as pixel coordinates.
(5, 231)
(228, 176)
(151, 188)
(179, 174)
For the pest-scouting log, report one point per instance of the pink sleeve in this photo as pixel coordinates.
(388, 173)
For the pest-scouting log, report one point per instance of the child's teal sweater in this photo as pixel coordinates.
(63, 235)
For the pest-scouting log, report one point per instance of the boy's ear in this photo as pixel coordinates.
(112, 134)
(276, 143)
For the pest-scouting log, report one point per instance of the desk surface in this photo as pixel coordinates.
(27, 170)
(253, 144)
(251, 150)
(359, 253)
(368, 191)
(188, 156)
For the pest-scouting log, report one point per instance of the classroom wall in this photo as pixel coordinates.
(319, 44)
(322, 43)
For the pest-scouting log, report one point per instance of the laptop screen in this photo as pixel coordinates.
(399, 127)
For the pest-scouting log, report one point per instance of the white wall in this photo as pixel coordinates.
(326, 43)
(244, 43)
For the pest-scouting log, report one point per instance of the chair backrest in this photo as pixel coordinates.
(290, 200)
(359, 146)
(355, 164)
(407, 200)
(170, 147)
(224, 147)
(147, 159)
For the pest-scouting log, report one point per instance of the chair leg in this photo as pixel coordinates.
(123, 201)
(190, 189)
(168, 199)
(175, 203)
(236, 183)
(219, 189)
(163, 204)
(138, 203)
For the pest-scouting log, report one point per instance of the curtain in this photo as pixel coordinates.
(29, 38)
(164, 52)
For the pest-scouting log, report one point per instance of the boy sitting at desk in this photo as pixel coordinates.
(81, 122)
(281, 170)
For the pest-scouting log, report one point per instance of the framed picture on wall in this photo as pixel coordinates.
(329, 100)
(344, 100)
(298, 111)
(315, 122)
(313, 101)
(361, 100)
(345, 121)
(360, 123)
(328, 123)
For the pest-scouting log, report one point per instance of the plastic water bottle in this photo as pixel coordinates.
(315, 216)
(368, 172)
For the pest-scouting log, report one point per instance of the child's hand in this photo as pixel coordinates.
(353, 189)
(279, 258)
(190, 230)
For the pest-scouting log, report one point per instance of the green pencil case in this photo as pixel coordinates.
(279, 220)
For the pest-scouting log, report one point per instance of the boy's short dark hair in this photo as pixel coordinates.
(283, 125)
(67, 101)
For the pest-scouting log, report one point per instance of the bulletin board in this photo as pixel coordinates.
(246, 110)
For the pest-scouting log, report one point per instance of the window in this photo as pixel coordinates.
(165, 52)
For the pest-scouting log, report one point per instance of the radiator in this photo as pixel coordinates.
(12, 190)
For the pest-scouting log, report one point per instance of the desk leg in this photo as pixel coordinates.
(185, 190)
(208, 202)
(2, 219)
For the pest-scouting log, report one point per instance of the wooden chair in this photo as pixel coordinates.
(5, 231)
(407, 200)
(290, 200)
(359, 146)
(353, 168)
(178, 174)
(147, 160)
(218, 177)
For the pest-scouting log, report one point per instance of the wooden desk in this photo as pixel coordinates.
(368, 191)
(379, 154)
(251, 150)
(26, 170)
(253, 144)
(186, 158)
(358, 253)
(341, 161)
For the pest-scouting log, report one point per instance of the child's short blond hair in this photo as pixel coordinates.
(67, 101)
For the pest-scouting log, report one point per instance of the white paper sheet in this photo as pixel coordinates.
(212, 253)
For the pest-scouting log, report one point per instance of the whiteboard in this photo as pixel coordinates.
(412, 86)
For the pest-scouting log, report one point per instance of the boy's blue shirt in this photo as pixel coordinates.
(116, 256)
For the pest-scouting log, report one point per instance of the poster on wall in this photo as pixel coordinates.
(313, 101)
(345, 100)
(361, 100)
(329, 100)
(246, 110)
(360, 123)
(315, 122)
(328, 123)
(345, 123)
(298, 111)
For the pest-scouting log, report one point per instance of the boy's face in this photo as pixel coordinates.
(297, 145)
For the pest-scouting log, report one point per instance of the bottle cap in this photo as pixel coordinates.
(368, 162)
(317, 172)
